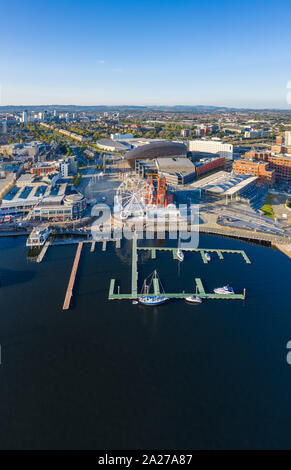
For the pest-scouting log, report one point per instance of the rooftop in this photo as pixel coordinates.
(223, 183)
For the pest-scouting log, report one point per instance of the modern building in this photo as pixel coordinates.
(158, 149)
(43, 200)
(287, 138)
(117, 136)
(176, 170)
(24, 116)
(64, 169)
(211, 146)
(225, 185)
(60, 207)
(113, 146)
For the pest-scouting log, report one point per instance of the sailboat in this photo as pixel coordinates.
(152, 299)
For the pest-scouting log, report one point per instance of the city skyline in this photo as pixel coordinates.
(145, 54)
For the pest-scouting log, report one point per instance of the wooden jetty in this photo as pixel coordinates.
(43, 252)
(69, 292)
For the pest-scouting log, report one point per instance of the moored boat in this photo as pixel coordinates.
(153, 299)
(225, 290)
(193, 299)
(180, 254)
(207, 256)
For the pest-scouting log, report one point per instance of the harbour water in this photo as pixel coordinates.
(113, 375)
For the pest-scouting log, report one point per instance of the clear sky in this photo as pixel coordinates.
(92, 52)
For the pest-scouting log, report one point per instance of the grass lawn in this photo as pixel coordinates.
(267, 207)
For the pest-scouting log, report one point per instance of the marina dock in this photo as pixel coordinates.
(69, 292)
(199, 292)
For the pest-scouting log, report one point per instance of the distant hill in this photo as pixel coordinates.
(199, 109)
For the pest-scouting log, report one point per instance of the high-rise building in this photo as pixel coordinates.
(4, 127)
(24, 116)
(64, 169)
(287, 138)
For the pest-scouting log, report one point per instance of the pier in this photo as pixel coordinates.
(43, 252)
(69, 292)
(199, 291)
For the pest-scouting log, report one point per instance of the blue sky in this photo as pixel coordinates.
(187, 52)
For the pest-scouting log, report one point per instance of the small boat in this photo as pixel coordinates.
(134, 302)
(155, 299)
(180, 254)
(193, 299)
(225, 290)
(207, 256)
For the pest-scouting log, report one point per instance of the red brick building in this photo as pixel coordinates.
(209, 164)
(260, 169)
(281, 164)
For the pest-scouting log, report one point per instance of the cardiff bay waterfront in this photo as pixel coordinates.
(145, 231)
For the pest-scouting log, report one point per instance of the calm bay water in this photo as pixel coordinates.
(109, 374)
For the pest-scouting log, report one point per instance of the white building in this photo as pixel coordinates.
(24, 116)
(211, 146)
(64, 169)
(113, 146)
(121, 136)
(287, 136)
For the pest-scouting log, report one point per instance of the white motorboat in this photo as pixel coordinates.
(225, 290)
(193, 299)
(207, 256)
(180, 254)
